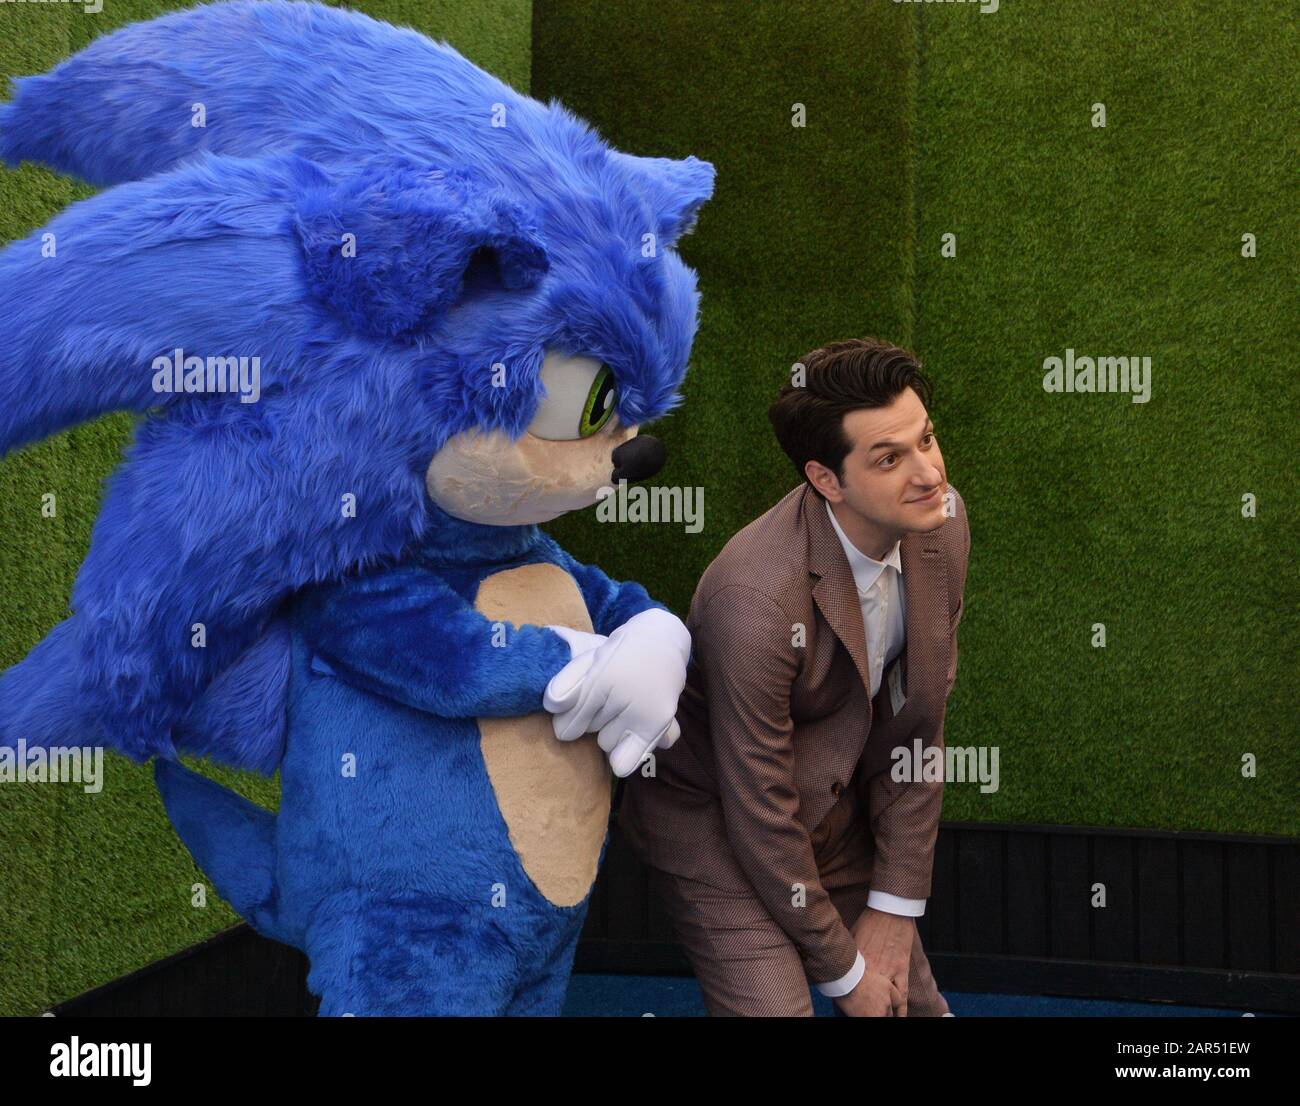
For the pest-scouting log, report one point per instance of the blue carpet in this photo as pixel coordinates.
(621, 996)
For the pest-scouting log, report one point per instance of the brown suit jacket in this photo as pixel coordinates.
(777, 721)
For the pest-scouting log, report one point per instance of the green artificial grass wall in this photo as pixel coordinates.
(928, 119)
(95, 886)
(1091, 508)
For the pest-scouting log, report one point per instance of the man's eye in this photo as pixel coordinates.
(887, 457)
(928, 438)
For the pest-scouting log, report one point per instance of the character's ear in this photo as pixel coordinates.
(389, 247)
(676, 189)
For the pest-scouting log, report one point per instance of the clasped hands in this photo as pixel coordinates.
(885, 941)
(623, 687)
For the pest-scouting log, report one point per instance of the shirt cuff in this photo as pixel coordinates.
(892, 904)
(842, 986)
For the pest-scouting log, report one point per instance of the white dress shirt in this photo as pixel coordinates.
(880, 590)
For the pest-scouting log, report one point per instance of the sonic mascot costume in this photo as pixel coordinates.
(462, 304)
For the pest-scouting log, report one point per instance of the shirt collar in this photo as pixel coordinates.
(865, 569)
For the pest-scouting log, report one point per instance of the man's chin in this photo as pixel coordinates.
(924, 518)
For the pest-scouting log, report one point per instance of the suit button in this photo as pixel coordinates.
(837, 789)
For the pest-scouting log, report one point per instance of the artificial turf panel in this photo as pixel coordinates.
(1090, 508)
(95, 886)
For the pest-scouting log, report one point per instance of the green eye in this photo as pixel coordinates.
(600, 403)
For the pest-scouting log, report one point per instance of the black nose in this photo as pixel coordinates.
(638, 459)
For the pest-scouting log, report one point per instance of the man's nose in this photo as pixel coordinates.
(638, 459)
(930, 474)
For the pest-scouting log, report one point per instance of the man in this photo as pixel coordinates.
(824, 637)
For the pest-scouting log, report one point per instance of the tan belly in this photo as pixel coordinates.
(554, 795)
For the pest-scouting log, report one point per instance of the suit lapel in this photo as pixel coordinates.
(925, 583)
(835, 592)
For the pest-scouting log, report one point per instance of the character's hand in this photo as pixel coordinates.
(579, 641)
(581, 647)
(885, 941)
(626, 688)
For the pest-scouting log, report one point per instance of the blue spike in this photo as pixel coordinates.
(231, 839)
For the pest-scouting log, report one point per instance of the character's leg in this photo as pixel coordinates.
(746, 965)
(408, 956)
(542, 991)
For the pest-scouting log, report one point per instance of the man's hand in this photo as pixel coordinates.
(873, 997)
(626, 688)
(885, 941)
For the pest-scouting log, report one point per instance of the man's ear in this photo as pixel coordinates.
(823, 480)
(388, 247)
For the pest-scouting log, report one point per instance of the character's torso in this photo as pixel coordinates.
(456, 806)
(554, 795)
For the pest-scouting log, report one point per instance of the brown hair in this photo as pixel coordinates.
(839, 378)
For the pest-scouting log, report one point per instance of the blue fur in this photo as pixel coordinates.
(390, 879)
(222, 510)
(240, 718)
(418, 231)
(476, 245)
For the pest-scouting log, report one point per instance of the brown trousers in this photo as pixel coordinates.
(745, 963)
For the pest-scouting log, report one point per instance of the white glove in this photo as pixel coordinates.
(579, 640)
(626, 688)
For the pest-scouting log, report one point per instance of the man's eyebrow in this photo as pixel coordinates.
(929, 425)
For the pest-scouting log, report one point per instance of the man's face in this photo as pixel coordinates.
(894, 474)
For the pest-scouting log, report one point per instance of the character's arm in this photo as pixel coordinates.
(609, 602)
(409, 637)
(626, 688)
